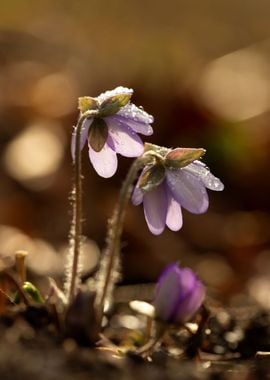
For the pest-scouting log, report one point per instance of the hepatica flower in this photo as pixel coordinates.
(112, 129)
(176, 179)
(179, 294)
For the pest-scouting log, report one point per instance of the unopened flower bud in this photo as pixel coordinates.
(179, 295)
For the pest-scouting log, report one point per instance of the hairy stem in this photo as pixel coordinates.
(115, 231)
(72, 281)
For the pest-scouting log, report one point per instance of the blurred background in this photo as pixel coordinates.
(202, 68)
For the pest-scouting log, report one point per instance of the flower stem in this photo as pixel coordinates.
(72, 280)
(20, 257)
(149, 347)
(111, 255)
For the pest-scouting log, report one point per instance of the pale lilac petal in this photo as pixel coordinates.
(126, 142)
(188, 190)
(174, 218)
(136, 126)
(104, 162)
(167, 292)
(130, 111)
(84, 135)
(155, 209)
(199, 169)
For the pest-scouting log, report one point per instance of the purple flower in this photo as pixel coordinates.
(113, 129)
(179, 294)
(175, 180)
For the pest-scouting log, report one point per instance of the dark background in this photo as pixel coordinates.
(201, 68)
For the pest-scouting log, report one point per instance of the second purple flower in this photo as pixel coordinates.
(176, 179)
(113, 129)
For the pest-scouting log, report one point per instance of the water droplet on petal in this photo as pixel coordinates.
(118, 90)
(136, 113)
(202, 171)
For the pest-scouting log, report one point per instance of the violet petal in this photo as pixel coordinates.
(201, 170)
(136, 126)
(126, 142)
(179, 294)
(104, 162)
(191, 303)
(188, 190)
(155, 209)
(167, 293)
(132, 112)
(163, 275)
(187, 285)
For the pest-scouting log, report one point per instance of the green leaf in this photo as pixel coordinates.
(87, 103)
(181, 157)
(98, 134)
(152, 177)
(33, 292)
(16, 298)
(113, 104)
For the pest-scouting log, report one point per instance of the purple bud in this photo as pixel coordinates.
(179, 294)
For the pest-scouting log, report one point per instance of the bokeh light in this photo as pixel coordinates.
(35, 154)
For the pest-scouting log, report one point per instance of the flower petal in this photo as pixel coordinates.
(162, 277)
(201, 170)
(84, 135)
(155, 209)
(104, 162)
(179, 294)
(188, 190)
(137, 196)
(136, 126)
(126, 142)
(191, 303)
(167, 292)
(132, 112)
(174, 218)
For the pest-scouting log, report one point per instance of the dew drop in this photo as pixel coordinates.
(203, 172)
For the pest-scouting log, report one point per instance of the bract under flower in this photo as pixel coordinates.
(87, 103)
(98, 134)
(114, 103)
(152, 177)
(181, 157)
